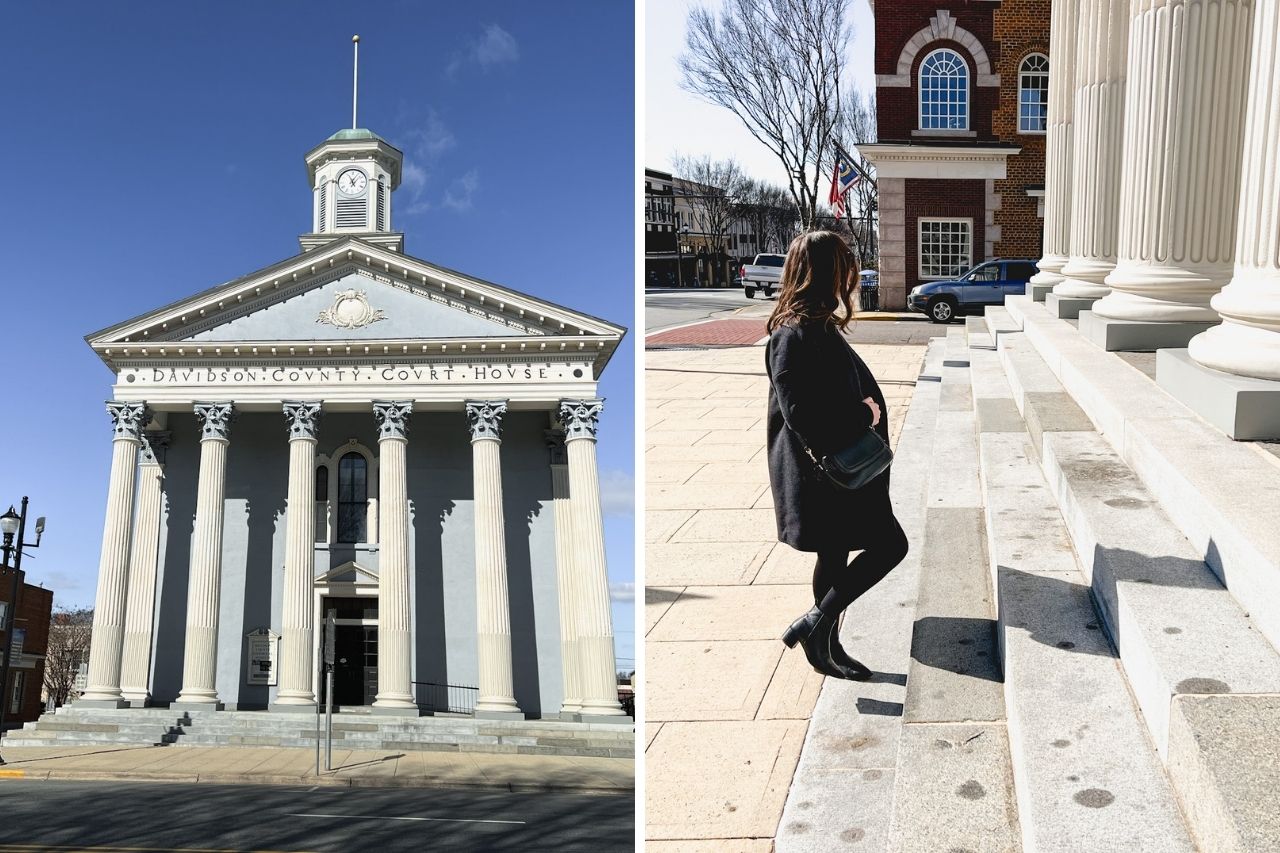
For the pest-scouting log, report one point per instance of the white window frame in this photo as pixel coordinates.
(920, 89)
(920, 223)
(327, 535)
(1023, 73)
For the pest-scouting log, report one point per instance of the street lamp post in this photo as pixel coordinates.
(11, 524)
(680, 235)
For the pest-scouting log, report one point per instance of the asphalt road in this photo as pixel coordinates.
(663, 310)
(113, 816)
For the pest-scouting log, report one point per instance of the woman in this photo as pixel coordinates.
(822, 396)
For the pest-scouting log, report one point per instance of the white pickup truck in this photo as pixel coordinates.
(764, 273)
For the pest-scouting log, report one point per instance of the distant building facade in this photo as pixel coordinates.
(961, 113)
(679, 247)
(29, 641)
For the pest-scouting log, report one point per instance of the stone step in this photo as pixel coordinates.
(1044, 404)
(999, 322)
(1177, 629)
(1086, 774)
(1196, 473)
(977, 334)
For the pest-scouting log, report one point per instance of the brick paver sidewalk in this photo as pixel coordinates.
(727, 706)
(711, 332)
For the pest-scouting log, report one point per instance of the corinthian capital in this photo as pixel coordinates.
(154, 445)
(128, 419)
(485, 418)
(303, 417)
(393, 417)
(215, 420)
(580, 417)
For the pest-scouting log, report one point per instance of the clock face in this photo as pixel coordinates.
(352, 182)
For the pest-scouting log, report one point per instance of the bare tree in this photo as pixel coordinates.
(771, 212)
(70, 632)
(777, 65)
(858, 125)
(707, 188)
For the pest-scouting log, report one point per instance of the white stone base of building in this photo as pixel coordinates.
(1244, 408)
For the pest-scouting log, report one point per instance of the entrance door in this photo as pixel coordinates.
(355, 665)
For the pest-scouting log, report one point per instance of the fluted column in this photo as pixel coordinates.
(597, 666)
(566, 576)
(1059, 140)
(493, 609)
(127, 421)
(395, 688)
(1098, 138)
(135, 665)
(299, 559)
(1184, 121)
(1247, 342)
(200, 659)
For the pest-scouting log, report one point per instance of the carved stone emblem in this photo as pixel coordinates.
(351, 310)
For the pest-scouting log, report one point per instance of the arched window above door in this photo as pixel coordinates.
(944, 91)
(353, 499)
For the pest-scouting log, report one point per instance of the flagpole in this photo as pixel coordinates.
(355, 77)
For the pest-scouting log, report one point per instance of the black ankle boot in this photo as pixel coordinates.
(813, 632)
(850, 667)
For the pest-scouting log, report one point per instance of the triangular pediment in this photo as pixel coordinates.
(348, 572)
(353, 291)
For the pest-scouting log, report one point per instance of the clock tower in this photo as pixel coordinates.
(353, 174)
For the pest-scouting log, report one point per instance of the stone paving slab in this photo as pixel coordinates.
(704, 680)
(735, 496)
(733, 613)
(705, 563)
(954, 790)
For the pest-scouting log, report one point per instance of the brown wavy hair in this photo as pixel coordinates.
(819, 278)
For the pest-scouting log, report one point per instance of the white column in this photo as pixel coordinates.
(127, 421)
(395, 688)
(200, 658)
(566, 575)
(493, 610)
(598, 668)
(1097, 147)
(135, 666)
(299, 559)
(1058, 143)
(1184, 121)
(1247, 342)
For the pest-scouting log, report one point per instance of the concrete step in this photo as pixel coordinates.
(1086, 774)
(1195, 472)
(1177, 629)
(1041, 399)
(977, 334)
(1000, 322)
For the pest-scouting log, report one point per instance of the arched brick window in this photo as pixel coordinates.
(944, 91)
(1033, 94)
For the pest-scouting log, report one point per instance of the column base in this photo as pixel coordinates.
(1138, 335)
(101, 703)
(500, 715)
(1245, 409)
(568, 716)
(1068, 307)
(179, 705)
(394, 711)
(292, 708)
(1038, 291)
(137, 700)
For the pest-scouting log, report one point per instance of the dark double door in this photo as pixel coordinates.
(355, 664)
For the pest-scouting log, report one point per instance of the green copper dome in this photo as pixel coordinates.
(356, 133)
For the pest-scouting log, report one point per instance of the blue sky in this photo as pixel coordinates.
(154, 150)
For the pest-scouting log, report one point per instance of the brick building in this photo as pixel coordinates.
(961, 109)
(31, 639)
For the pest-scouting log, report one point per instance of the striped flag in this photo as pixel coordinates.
(846, 176)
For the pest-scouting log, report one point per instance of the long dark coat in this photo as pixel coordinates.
(820, 382)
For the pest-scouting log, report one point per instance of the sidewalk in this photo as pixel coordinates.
(292, 766)
(728, 706)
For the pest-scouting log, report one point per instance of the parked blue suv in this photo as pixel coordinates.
(986, 284)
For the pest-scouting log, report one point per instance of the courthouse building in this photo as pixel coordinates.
(359, 432)
(962, 92)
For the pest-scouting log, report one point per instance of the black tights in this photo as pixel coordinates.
(837, 583)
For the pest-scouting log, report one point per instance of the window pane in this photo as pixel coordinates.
(944, 248)
(352, 498)
(322, 483)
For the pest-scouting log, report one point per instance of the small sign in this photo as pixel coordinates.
(261, 652)
(330, 636)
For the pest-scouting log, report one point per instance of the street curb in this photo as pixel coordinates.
(328, 781)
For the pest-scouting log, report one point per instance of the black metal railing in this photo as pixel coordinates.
(446, 698)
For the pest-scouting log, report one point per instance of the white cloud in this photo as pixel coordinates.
(426, 143)
(460, 192)
(494, 46)
(617, 493)
(622, 591)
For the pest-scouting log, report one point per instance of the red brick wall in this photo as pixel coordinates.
(1022, 27)
(33, 612)
(954, 199)
(898, 108)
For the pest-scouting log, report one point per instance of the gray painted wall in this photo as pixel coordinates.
(442, 550)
